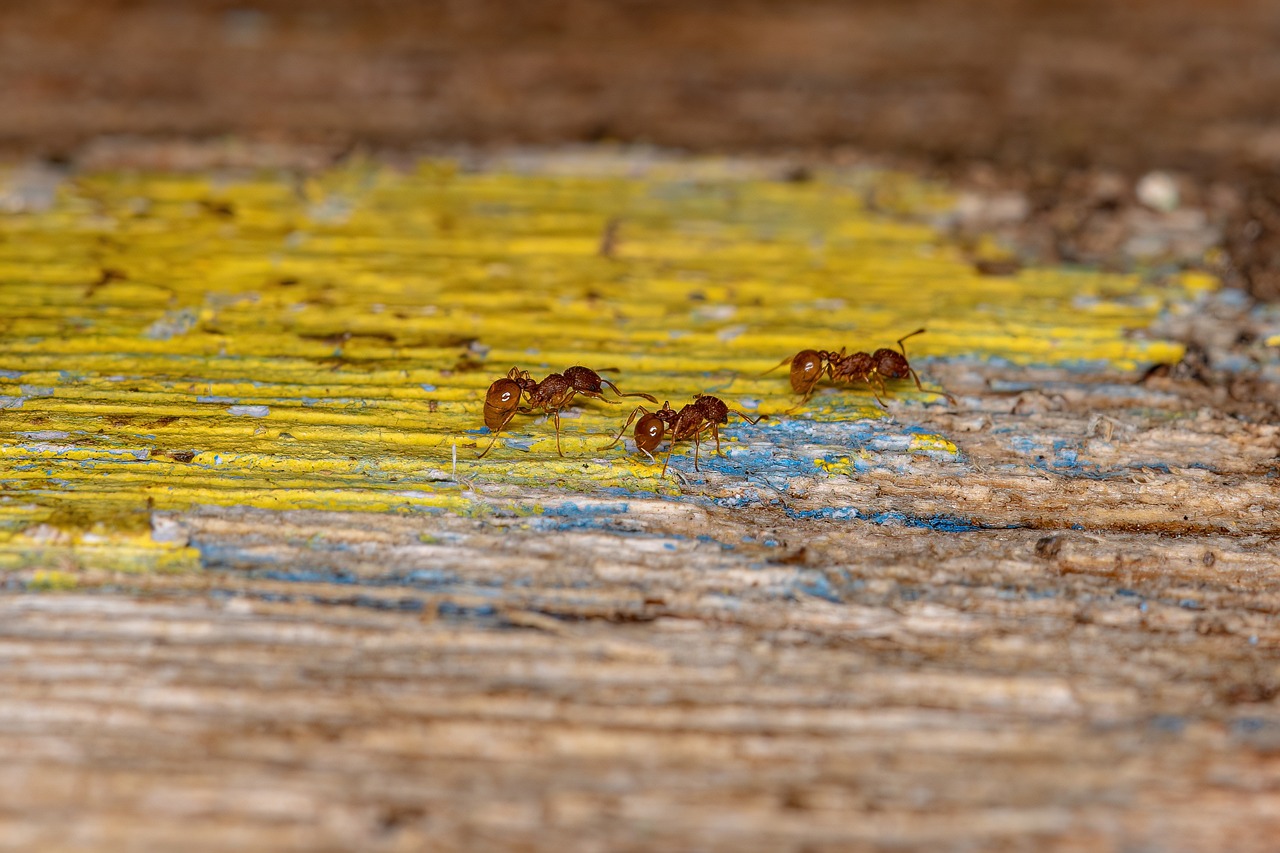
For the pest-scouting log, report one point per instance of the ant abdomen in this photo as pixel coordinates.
(806, 369)
(649, 433)
(501, 400)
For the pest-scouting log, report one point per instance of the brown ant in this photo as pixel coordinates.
(807, 367)
(555, 392)
(692, 421)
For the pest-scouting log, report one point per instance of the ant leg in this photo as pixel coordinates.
(746, 418)
(667, 461)
(648, 397)
(555, 413)
(904, 337)
(807, 394)
(916, 377)
(622, 432)
(715, 430)
(872, 386)
(496, 433)
(696, 444)
(492, 442)
(787, 360)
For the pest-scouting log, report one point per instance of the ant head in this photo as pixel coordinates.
(649, 433)
(806, 369)
(891, 364)
(666, 412)
(501, 400)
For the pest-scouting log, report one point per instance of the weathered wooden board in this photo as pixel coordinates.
(250, 599)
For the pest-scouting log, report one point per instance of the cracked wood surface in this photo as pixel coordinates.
(1042, 619)
(686, 675)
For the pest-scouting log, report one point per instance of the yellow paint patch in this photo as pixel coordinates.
(47, 580)
(933, 444)
(174, 340)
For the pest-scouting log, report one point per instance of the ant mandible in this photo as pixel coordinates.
(692, 421)
(873, 369)
(555, 392)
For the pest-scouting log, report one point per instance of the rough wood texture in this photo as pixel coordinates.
(680, 676)
(337, 683)
(1042, 619)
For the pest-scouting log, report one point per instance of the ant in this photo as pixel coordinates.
(807, 367)
(692, 421)
(502, 401)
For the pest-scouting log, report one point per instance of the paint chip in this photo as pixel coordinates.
(250, 411)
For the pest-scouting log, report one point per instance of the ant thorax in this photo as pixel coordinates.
(713, 409)
(550, 392)
(854, 367)
(687, 421)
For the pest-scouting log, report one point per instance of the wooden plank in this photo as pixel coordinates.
(249, 599)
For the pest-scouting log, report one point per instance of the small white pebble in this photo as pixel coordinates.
(1158, 191)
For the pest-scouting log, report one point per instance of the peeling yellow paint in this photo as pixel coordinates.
(48, 580)
(174, 340)
(933, 444)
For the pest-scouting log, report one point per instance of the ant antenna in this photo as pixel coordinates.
(904, 337)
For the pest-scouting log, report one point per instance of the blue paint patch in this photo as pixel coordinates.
(816, 585)
(47, 434)
(572, 510)
(1249, 727)
(306, 576)
(1168, 724)
(430, 578)
(943, 523)
(249, 411)
(827, 513)
(211, 398)
(1024, 444)
(12, 374)
(448, 609)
